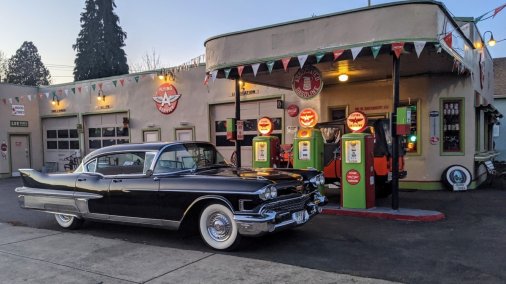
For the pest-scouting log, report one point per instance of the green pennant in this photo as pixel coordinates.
(227, 72)
(53, 93)
(73, 90)
(480, 17)
(17, 99)
(270, 65)
(136, 79)
(319, 56)
(115, 82)
(375, 50)
(93, 87)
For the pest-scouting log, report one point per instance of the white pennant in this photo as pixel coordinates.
(419, 45)
(66, 92)
(214, 73)
(255, 68)
(10, 101)
(355, 51)
(302, 60)
(30, 97)
(47, 95)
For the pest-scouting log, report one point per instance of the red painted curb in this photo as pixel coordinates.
(378, 215)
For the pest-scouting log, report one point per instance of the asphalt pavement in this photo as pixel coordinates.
(469, 246)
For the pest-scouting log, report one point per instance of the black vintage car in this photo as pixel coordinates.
(174, 184)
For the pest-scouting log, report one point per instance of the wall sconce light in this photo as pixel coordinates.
(166, 74)
(343, 78)
(55, 101)
(242, 85)
(101, 96)
(491, 41)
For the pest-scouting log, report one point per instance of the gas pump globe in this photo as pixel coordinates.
(265, 147)
(308, 144)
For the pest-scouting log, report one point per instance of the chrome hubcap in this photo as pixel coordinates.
(219, 226)
(64, 218)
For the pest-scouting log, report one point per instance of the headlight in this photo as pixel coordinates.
(322, 179)
(268, 192)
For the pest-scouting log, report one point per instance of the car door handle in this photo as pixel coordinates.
(156, 178)
(81, 179)
(117, 180)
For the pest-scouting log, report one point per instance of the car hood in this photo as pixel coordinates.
(273, 175)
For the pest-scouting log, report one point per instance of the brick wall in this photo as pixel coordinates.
(500, 77)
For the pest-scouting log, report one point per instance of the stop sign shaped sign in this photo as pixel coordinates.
(353, 177)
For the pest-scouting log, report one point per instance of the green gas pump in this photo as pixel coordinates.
(357, 182)
(308, 149)
(265, 147)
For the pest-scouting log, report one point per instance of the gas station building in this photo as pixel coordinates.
(446, 79)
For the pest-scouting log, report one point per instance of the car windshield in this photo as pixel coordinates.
(188, 156)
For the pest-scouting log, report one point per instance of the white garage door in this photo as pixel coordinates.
(250, 113)
(61, 143)
(102, 130)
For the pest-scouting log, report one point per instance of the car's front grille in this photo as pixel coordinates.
(292, 204)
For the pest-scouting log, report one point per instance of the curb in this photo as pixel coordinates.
(388, 214)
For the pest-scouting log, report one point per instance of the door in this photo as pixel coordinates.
(20, 153)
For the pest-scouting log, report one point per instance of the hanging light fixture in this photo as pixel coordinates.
(343, 78)
(55, 100)
(101, 96)
(491, 41)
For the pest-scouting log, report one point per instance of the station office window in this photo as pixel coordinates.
(412, 140)
(452, 127)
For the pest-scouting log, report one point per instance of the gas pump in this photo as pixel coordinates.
(265, 147)
(308, 145)
(357, 186)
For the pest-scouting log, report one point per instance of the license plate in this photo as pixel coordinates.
(459, 187)
(300, 216)
(389, 176)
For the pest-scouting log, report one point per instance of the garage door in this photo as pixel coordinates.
(102, 130)
(61, 142)
(250, 113)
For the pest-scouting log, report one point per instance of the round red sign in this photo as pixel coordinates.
(353, 177)
(357, 121)
(308, 118)
(265, 126)
(293, 110)
(307, 82)
(166, 98)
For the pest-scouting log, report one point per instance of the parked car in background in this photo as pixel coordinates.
(171, 184)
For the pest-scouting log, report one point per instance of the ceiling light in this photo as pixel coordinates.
(343, 78)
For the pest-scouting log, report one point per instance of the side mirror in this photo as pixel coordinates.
(149, 173)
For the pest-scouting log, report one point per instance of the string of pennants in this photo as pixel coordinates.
(396, 47)
(494, 12)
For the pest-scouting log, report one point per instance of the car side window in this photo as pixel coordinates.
(91, 166)
(122, 163)
(174, 159)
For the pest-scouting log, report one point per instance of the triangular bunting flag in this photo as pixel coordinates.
(419, 45)
(397, 48)
(302, 59)
(122, 82)
(498, 9)
(285, 62)
(17, 99)
(255, 68)
(270, 65)
(100, 85)
(448, 39)
(319, 56)
(375, 50)
(47, 95)
(115, 83)
(136, 79)
(206, 79)
(41, 95)
(22, 99)
(29, 97)
(93, 87)
(79, 89)
(337, 53)
(53, 93)
(227, 72)
(73, 90)
(240, 69)
(10, 101)
(66, 92)
(214, 74)
(355, 51)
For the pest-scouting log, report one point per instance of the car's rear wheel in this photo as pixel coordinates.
(218, 228)
(68, 222)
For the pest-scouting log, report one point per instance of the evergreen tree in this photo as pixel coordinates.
(26, 67)
(100, 42)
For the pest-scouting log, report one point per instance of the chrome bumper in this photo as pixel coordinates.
(267, 222)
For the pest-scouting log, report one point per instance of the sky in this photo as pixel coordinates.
(176, 29)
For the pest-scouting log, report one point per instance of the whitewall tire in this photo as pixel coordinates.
(218, 228)
(68, 222)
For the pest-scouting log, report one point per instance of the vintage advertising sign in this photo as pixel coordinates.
(3, 148)
(353, 152)
(240, 130)
(356, 121)
(353, 177)
(293, 110)
(307, 82)
(434, 127)
(265, 126)
(308, 118)
(261, 151)
(18, 110)
(18, 123)
(166, 98)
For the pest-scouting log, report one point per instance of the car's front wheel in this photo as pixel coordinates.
(218, 228)
(68, 222)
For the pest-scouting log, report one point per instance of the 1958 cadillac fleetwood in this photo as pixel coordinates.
(171, 184)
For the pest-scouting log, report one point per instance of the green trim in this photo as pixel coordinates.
(462, 127)
(421, 185)
(158, 129)
(192, 128)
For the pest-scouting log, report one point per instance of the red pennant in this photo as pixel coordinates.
(240, 69)
(40, 95)
(498, 9)
(60, 92)
(448, 39)
(285, 62)
(397, 48)
(122, 81)
(100, 86)
(337, 53)
(79, 89)
(206, 79)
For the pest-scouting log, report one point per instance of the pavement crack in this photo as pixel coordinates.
(39, 237)
(67, 266)
(175, 269)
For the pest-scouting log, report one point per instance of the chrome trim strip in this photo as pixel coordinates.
(221, 198)
(209, 191)
(134, 220)
(56, 193)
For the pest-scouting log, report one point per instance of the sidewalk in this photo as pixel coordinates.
(29, 255)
